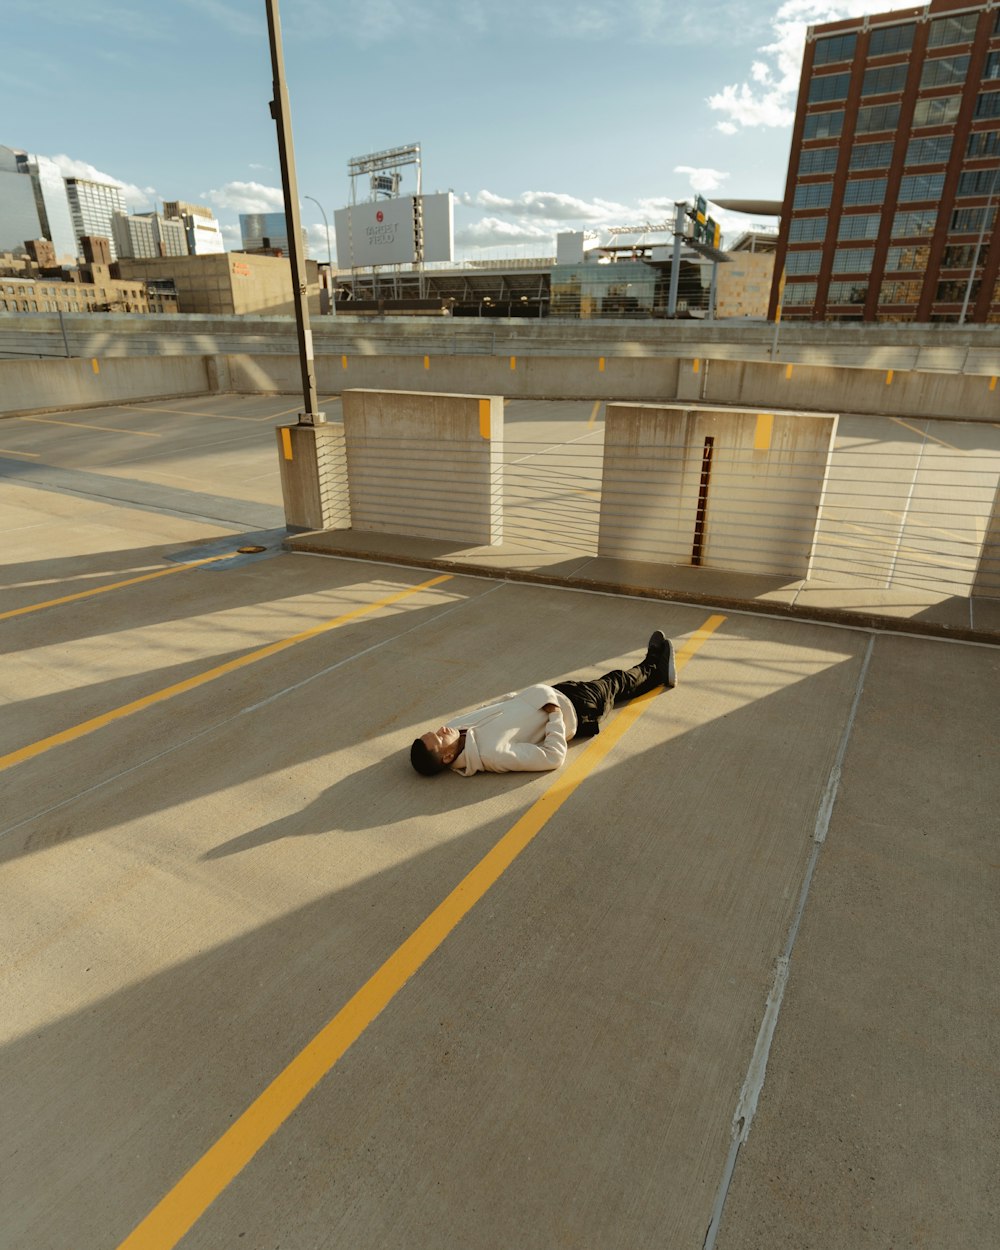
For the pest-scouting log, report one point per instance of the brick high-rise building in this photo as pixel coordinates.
(890, 210)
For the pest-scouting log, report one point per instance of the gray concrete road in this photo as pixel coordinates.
(726, 979)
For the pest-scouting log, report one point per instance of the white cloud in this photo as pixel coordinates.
(703, 180)
(769, 98)
(138, 199)
(246, 197)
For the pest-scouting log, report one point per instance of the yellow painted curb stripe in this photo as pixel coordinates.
(100, 590)
(179, 1209)
(81, 425)
(695, 366)
(888, 376)
(788, 370)
(594, 411)
(762, 431)
(427, 362)
(993, 384)
(513, 362)
(286, 443)
(343, 362)
(201, 679)
(600, 364)
(95, 365)
(484, 418)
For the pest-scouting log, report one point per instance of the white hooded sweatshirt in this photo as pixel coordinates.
(515, 735)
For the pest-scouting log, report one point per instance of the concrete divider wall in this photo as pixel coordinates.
(428, 465)
(50, 385)
(312, 463)
(719, 488)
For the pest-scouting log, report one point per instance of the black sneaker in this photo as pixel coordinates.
(655, 646)
(665, 665)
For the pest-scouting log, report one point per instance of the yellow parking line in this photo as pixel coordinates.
(4, 451)
(594, 411)
(175, 1214)
(100, 590)
(81, 425)
(192, 683)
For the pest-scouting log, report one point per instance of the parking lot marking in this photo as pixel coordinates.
(924, 434)
(100, 590)
(184, 1205)
(5, 451)
(80, 425)
(200, 679)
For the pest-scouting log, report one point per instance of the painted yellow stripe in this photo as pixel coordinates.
(484, 418)
(600, 364)
(95, 365)
(100, 590)
(762, 431)
(343, 362)
(175, 1214)
(513, 362)
(888, 376)
(993, 384)
(695, 366)
(594, 411)
(286, 443)
(788, 370)
(427, 362)
(4, 451)
(80, 425)
(201, 679)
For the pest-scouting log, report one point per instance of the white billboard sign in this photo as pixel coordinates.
(385, 232)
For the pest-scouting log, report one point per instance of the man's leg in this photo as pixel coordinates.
(594, 699)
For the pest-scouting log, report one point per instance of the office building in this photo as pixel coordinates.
(18, 210)
(234, 284)
(138, 235)
(204, 238)
(890, 210)
(267, 233)
(93, 206)
(52, 205)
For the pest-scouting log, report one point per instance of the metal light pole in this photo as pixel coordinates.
(329, 254)
(281, 113)
(979, 245)
(675, 263)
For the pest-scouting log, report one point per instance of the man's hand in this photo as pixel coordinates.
(550, 707)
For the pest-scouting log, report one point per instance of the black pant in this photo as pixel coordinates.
(595, 699)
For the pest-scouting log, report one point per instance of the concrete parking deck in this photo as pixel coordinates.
(727, 979)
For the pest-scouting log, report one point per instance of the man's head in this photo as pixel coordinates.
(435, 750)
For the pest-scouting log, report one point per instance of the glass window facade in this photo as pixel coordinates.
(894, 292)
(871, 156)
(984, 143)
(799, 293)
(877, 117)
(825, 87)
(908, 257)
(624, 289)
(886, 39)
(803, 262)
(812, 195)
(847, 292)
(961, 256)
(921, 187)
(824, 125)
(807, 229)
(948, 30)
(865, 191)
(988, 104)
(979, 182)
(919, 221)
(885, 80)
(971, 220)
(992, 67)
(818, 161)
(944, 71)
(953, 290)
(835, 48)
(853, 259)
(933, 151)
(859, 226)
(939, 111)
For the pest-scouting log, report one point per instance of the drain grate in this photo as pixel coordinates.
(249, 551)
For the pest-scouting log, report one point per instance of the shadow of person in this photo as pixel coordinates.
(384, 793)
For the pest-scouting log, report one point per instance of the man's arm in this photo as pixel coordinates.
(549, 754)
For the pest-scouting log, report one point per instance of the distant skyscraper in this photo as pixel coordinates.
(267, 232)
(890, 209)
(145, 235)
(53, 205)
(93, 205)
(204, 238)
(18, 210)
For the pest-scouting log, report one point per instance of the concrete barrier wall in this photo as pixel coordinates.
(49, 385)
(312, 462)
(428, 465)
(720, 488)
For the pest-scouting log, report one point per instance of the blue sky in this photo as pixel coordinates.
(540, 115)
